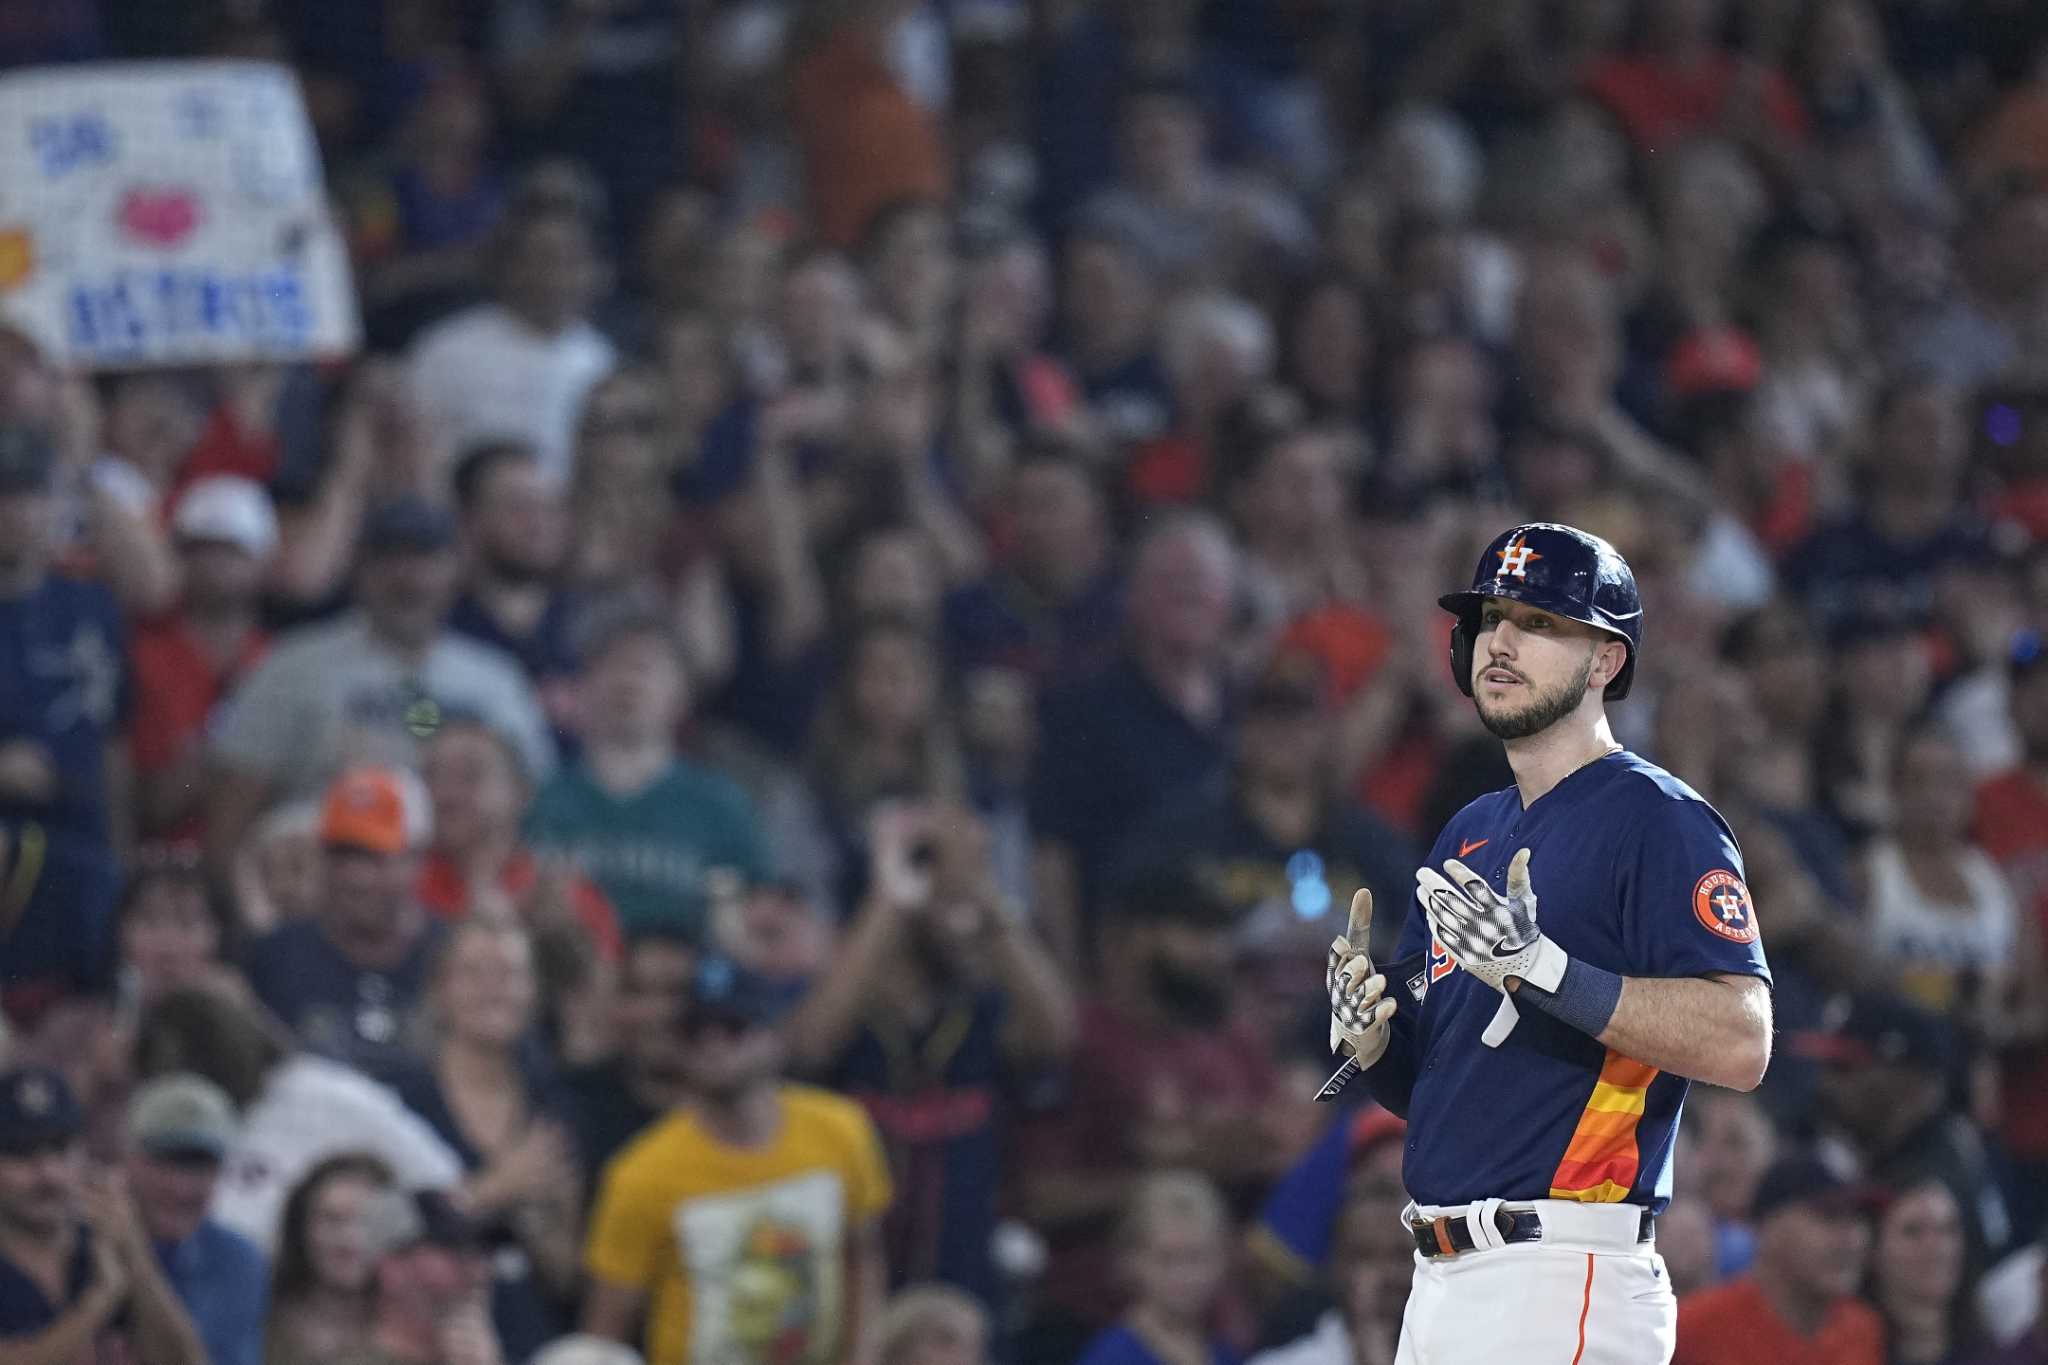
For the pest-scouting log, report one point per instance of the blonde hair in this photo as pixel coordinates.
(1169, 1196)
(915, 1313)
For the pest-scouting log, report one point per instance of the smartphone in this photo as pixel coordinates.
(903, 851)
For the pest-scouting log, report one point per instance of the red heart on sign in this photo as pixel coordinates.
(161, 218)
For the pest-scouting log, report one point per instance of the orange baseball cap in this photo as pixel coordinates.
(382, 810)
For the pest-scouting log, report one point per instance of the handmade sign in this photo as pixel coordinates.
(168, 213)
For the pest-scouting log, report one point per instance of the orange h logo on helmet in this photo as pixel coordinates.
(1516, 558)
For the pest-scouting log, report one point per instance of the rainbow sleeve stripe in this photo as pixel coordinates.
(1599, 1166)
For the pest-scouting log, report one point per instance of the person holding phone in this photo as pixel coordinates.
(941, 1008)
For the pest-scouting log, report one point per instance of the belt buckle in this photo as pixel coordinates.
(1441, 1226)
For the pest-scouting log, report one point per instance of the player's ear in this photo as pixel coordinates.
(1609, 658)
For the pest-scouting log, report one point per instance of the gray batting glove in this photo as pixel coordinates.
(1359, 1011)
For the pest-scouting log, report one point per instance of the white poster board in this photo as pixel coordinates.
(168, 213)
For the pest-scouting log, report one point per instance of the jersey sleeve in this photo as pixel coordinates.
(628, 1231)
(1685, 908)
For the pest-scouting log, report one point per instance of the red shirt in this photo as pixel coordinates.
(1659, 103)
(1733, 1324)
(1120, 1070)
(445, 892)
(177, 686)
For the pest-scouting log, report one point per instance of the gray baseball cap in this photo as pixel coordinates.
(182, 1115)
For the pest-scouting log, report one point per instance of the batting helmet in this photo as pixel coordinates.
(1558, 569)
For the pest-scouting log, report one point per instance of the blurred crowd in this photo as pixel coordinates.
(765, 777)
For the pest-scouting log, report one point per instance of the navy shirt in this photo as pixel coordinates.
(224, 1282)
(1209, 833)
(1114, 751)
(999, 622)
(64, 654)
(24, 1309)
(1634, 873)
(353, 1014)
(526, 1313)
(936, 1097)
(546, 652)
(1851, 568)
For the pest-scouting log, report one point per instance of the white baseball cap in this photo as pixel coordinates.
(229, 509)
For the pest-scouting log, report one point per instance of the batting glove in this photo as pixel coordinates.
(1359, 1011)
(1491, 936)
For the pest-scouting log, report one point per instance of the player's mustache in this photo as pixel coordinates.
(1492, 664)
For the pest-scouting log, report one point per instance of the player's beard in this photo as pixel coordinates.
(1542, 711)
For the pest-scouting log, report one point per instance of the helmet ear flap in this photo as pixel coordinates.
(1461, 655)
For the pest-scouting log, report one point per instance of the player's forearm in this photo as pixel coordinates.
(1715, 1029)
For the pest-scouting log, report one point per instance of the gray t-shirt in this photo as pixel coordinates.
(331, 695)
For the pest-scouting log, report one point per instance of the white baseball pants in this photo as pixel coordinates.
(1589, 1293)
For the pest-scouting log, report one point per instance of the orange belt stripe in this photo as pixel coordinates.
(1601, 1162)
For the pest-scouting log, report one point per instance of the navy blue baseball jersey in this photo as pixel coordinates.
(1633, 872)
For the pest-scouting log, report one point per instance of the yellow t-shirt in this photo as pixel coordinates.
(742, 1252)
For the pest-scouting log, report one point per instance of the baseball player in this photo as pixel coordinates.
(1580, 948)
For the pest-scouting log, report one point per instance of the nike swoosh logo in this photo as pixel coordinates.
(1465, 846)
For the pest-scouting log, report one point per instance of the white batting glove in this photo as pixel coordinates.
(1491, 936)
(1359, 1011)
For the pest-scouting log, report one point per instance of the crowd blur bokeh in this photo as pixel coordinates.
(765, 776)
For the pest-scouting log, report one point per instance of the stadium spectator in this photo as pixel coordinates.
(297, 1109)
(514, 533)
(1273, 840)
(1371, 1263)
(477, 865)
(187, 660)
(883, 737)
(1048, 608)
(647, 1075)
(1156, 722)
(180, 1129)
(1916, 1277)
(1890, 1069)
(1910, 523)
(1164, 1075)
(517, 368)
(1799, 1302)
(1174, 1251)
(1111, 296)
(367, 686)
(420, 228)
(347, 980)
(1730, 1147)
(865, 141)
(2011, 824)
(931, 1324)
(936, 967)
(320, 1296)
(787, 1181)
(430, 1284)
(648, 826)
(63, 649)
(80, 1274)
(1939, 910)
(169, 933)
(500, 1110)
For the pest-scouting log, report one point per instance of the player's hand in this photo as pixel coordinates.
(1494, 937)
(1359, 1011)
